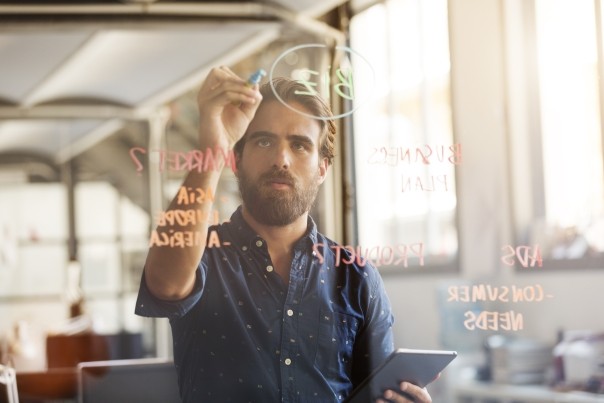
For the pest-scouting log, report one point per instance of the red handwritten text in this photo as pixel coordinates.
(377, 255)
(194, 160)
(433, 183)
(181, 239)
(424, 154)
(523, 253)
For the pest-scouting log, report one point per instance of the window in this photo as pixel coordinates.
(564, 213)
(405, 154)
(113, 238)
(33, 252)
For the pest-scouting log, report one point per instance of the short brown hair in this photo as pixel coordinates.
(290, 90)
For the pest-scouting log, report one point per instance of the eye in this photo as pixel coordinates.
(263, 143)
(299, 146)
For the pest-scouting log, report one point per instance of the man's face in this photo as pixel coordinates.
(279, 170)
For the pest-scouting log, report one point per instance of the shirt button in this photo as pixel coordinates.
(244, 248)
(269, 268)
(288, 361)
(290, 312)
(258, 243)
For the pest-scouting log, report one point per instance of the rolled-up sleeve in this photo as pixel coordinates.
(150, 306)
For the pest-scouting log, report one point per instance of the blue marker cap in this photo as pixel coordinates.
(256, 77)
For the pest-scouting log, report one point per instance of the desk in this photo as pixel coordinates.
(478, 392)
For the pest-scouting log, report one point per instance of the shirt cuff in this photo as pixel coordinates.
(150, 306)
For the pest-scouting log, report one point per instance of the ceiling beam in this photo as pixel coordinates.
(215, 10)
(75, 111)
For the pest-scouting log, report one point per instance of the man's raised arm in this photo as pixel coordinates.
(226, 108)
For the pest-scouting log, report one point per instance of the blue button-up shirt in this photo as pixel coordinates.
(245, 335)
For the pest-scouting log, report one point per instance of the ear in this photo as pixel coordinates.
(323, 165)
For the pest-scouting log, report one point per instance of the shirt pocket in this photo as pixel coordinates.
(335, 343)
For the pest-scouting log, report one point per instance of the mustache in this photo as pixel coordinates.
(278, 175)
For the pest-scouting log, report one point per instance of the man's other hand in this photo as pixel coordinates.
(411, 393)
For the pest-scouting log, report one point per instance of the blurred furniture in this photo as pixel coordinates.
(483, 392)
(67, 351)
(64, 353)
(58, 383)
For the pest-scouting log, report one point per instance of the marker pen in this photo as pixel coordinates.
(253, 80)
(255, 77)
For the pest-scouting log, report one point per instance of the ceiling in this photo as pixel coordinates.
(73, 73)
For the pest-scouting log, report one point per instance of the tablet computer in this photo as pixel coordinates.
(419, 367)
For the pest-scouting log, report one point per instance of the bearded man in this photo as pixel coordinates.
(261, 318)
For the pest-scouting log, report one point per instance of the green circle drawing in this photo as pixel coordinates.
(318, 45)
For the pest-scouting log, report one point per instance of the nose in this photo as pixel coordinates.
(282, 157)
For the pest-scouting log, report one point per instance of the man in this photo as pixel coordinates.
(261, 318)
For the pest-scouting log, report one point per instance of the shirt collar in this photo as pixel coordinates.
(243, 234)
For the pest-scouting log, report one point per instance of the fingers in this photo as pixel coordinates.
(411, 393)
(229, 89)
(249, 107)
(393, 397)
(233, 92)
(222, 87)
(219, 74)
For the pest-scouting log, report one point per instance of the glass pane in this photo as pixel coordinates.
(573, 221)
(40, 211)
(404, 149)
(40, 271)
(106, 314)
(9, 229)
(134, 221)
(100, 266)
(96, 210)
(33, 232)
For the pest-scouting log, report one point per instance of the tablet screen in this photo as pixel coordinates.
(419, 367)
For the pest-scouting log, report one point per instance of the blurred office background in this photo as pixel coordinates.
(499, 105)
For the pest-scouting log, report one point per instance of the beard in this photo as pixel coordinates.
(277, 207)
